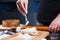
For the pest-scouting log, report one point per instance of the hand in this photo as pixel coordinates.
(55, 24)
(22, 6)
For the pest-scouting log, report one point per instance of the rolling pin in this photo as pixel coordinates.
(42, 28)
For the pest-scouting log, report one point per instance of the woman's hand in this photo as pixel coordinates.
(22, 6)
(55, 24)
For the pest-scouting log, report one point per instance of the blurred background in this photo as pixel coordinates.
(8, 10)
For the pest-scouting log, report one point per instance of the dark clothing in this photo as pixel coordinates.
(49, 9)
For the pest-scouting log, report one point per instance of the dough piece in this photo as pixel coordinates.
(18, 29)
(33, 31)
(30, 31)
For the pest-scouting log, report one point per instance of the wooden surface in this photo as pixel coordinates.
(42, 34)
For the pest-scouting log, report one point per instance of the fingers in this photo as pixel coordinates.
(20, 5)
(53, 28)
(21, 8)
(50, 27)
(26, 6)
(59, 26)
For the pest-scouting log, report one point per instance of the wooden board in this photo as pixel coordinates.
(42, 34)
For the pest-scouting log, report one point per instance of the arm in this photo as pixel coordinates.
(22, 6)
(55, 24)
